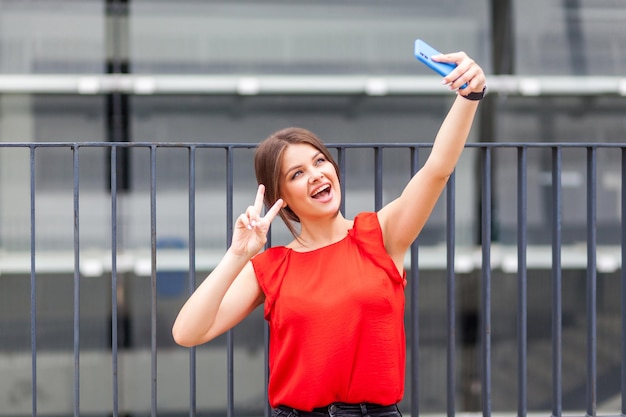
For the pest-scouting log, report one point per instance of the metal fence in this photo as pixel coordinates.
(484, 243)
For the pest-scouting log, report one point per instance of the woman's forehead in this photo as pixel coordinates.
(299, 150)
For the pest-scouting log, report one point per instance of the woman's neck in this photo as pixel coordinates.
(315, 234)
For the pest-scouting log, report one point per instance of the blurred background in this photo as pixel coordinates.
(224, 72)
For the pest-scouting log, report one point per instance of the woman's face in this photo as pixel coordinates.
(308, 183)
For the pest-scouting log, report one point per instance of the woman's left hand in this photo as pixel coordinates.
(467, 72)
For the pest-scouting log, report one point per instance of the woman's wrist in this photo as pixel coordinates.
(239, 255)
(476, 95)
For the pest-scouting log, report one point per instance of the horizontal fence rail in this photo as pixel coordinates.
(147, 84)
(486, 157)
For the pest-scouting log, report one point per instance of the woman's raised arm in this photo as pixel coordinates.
(403, 218)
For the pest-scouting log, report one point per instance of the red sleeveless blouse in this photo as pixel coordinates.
(336, 317)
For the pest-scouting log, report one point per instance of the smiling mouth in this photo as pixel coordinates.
(322, 192)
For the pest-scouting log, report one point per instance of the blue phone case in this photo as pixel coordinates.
(424, 51)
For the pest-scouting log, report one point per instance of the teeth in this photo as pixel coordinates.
(326, 187)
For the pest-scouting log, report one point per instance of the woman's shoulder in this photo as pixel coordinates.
(366, 220)
(368, 234)
(367, 231)
(268, 263)
(271, 254)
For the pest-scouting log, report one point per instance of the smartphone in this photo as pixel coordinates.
(424, 51)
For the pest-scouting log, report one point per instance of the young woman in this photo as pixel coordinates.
(334, 296)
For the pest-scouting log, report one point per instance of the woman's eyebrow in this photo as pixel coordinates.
(300, 165)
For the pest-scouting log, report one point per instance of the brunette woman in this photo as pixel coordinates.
(334, 296)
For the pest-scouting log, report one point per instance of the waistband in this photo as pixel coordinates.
(337, 408)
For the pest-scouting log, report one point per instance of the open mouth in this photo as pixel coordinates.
(321, 192)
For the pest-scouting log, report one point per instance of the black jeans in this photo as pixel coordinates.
(341, 410)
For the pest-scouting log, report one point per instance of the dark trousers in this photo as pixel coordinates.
(341, 410)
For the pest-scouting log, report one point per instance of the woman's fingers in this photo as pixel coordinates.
(467, 72)
(251, 228)
(253, 213)
(273, 211)
(252, 217)
(258, 201)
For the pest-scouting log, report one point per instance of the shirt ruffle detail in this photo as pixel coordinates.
(270, 272)
(368, 235)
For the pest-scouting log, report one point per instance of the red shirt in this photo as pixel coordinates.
(336, 317)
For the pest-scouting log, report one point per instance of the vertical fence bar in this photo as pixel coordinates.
(267, 409)
(266, 355)
(450, 294)
(230, 362)
(486, 282)
(557, 342)
(192, 272)
(341, 161)
(153, 292)
(76, 284)
(378, 178)
(114, 322)
(591, 281)
(33, 286)
(266, 336)
(623, 282)
(414, 294)
(522, 285)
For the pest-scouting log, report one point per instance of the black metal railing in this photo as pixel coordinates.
(484, 184)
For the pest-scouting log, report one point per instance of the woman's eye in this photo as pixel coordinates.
(320, 160)
(296, 175)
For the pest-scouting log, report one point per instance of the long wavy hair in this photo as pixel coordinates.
(268, 160)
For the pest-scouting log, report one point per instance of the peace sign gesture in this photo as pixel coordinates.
(251, 228)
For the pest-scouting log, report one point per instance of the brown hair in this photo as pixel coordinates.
(268, 163)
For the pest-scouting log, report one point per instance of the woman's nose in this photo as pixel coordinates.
(316, 176)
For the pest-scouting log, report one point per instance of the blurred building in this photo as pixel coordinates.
(223, 72)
